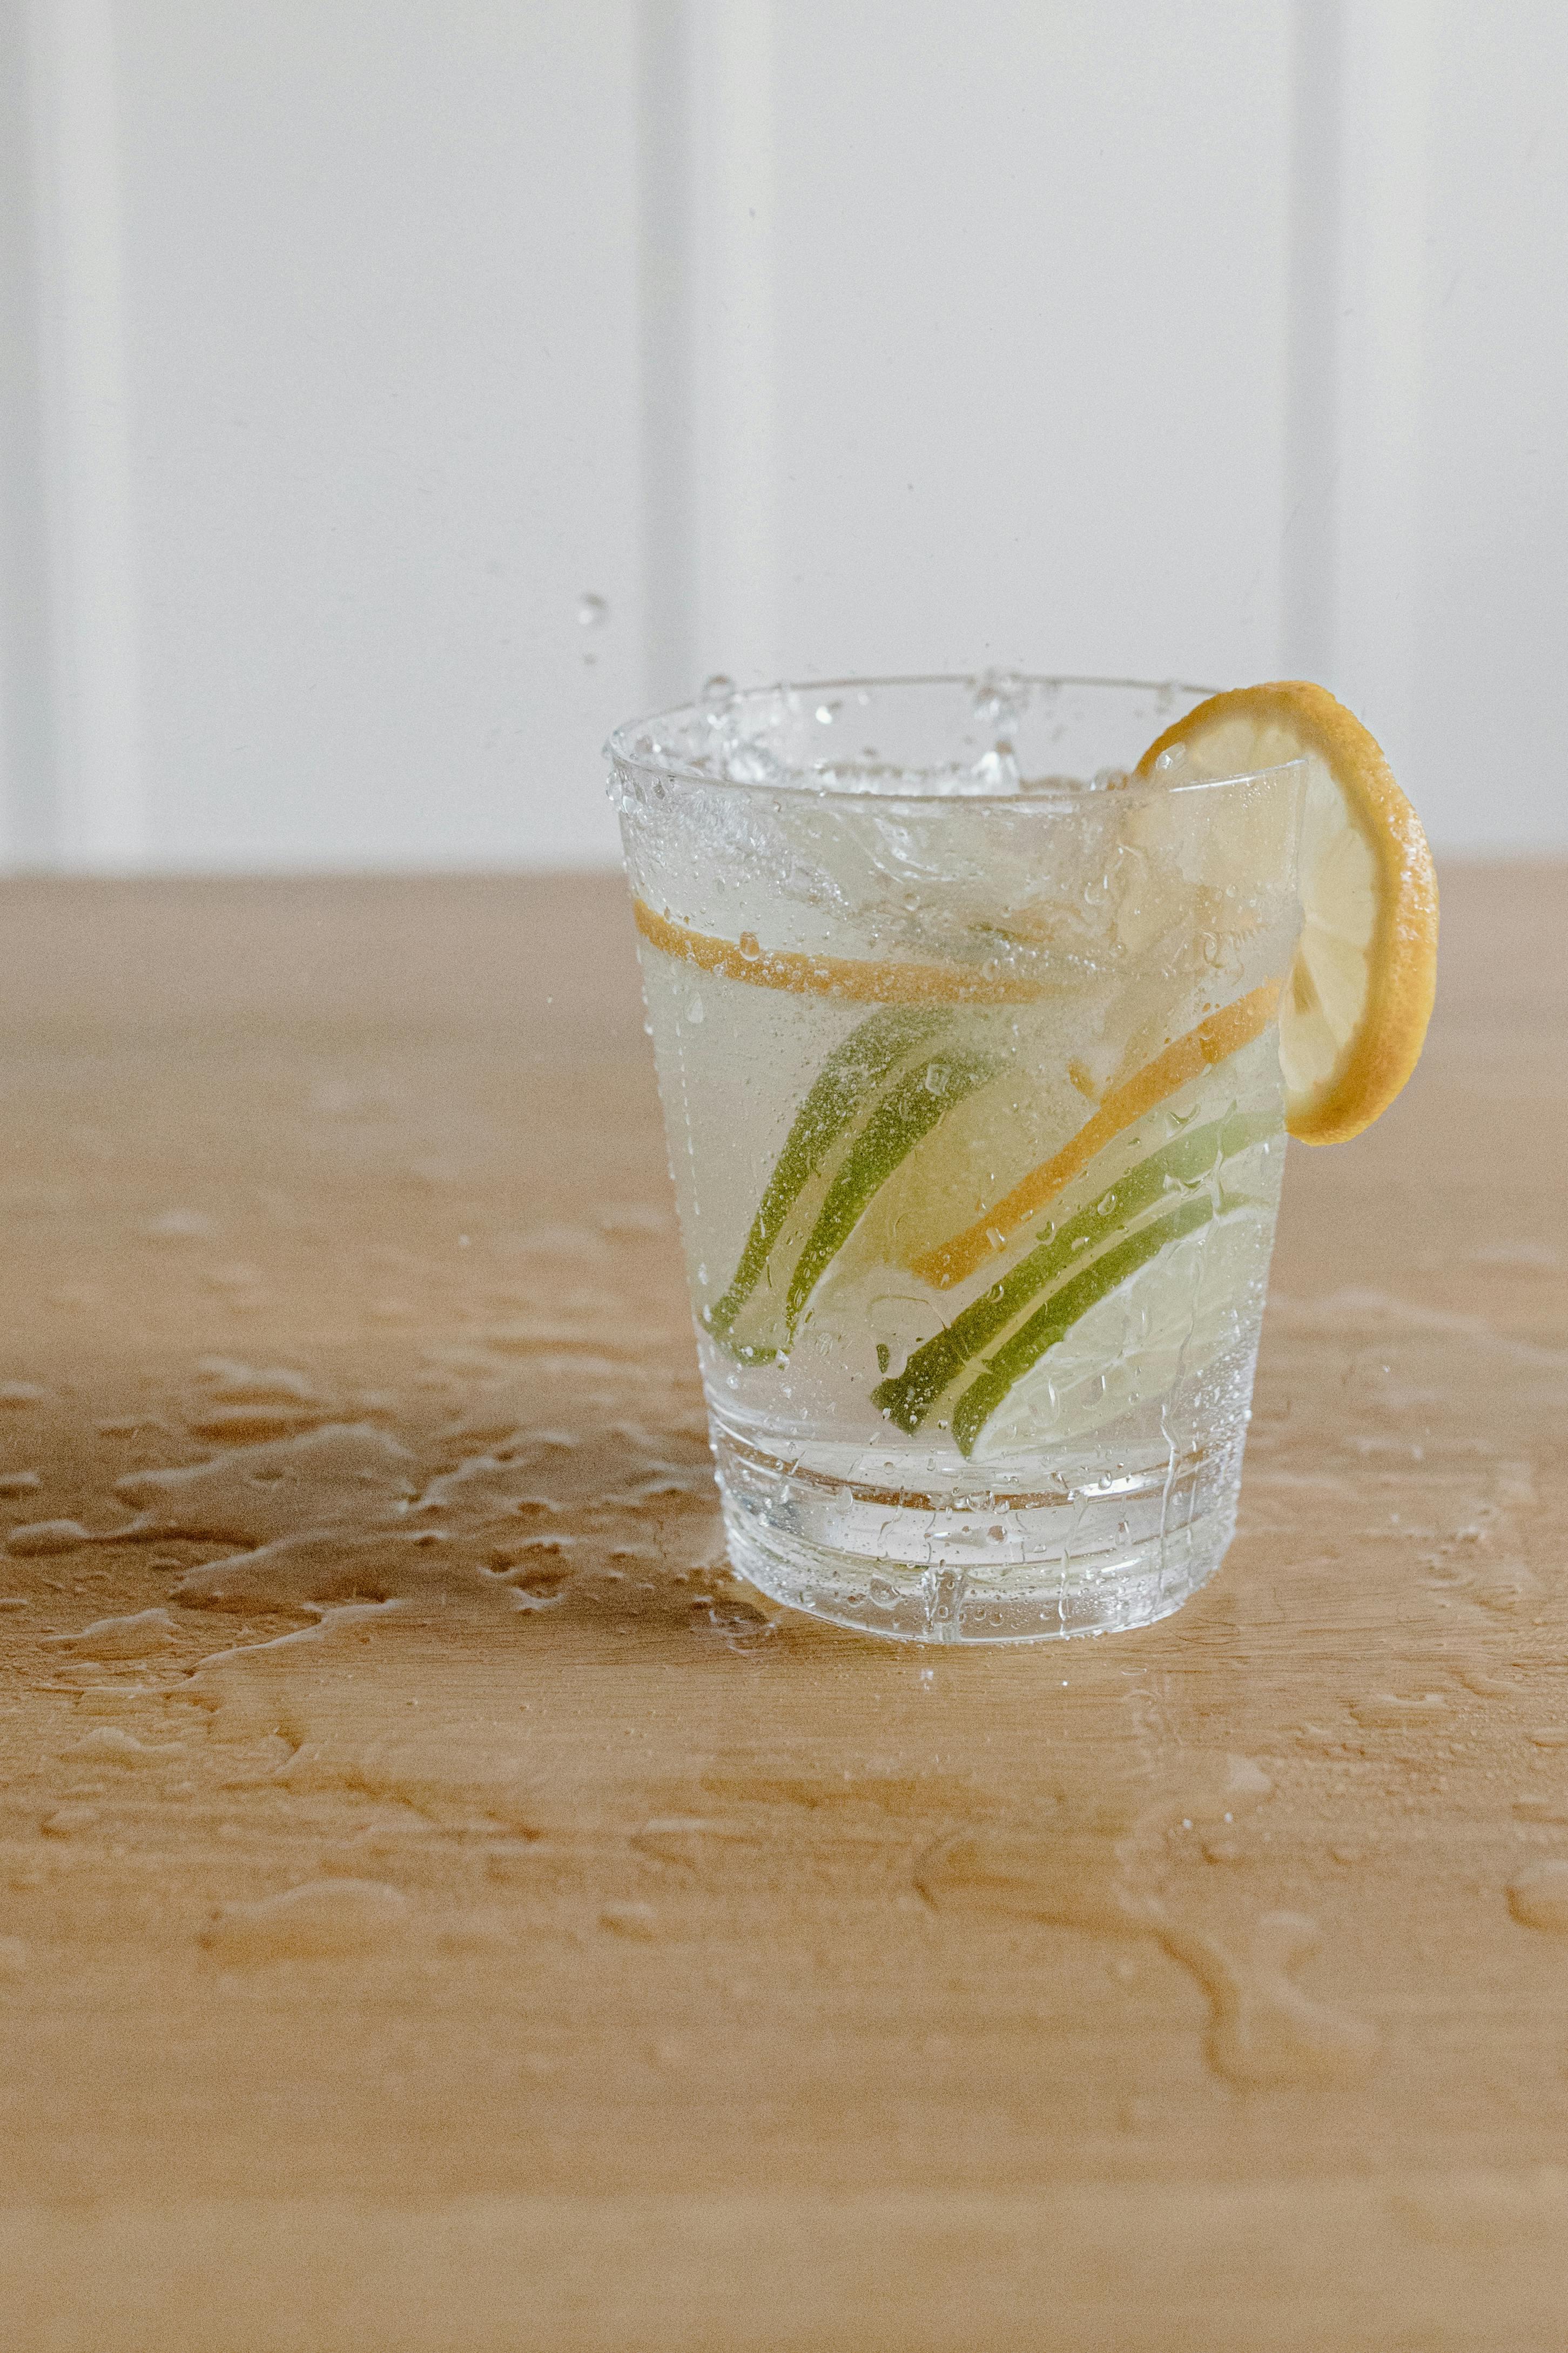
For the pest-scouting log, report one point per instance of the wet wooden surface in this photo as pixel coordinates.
(440, 1912)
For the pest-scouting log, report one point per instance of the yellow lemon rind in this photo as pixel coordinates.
(1402, 962)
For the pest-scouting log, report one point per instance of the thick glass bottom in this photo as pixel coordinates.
(1078, 1556)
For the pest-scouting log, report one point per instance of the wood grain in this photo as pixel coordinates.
(441, 1908)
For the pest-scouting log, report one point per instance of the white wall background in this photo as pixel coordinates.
(348, 344)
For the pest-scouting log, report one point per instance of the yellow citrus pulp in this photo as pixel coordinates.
(1354, 1008)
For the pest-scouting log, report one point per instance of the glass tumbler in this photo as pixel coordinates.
(967, 1051)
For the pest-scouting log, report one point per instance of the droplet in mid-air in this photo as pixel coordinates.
(593, 612)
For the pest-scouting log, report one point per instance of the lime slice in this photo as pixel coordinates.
(849, 1081)
(872, 1102)
(1170, 1317)
(909, 1110)
(910, 1396)
(1022, 1351)
(978, 1146)
(1216, 1040)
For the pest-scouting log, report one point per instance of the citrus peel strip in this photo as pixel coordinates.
(854, 980)
(908, 1398)
(1215, 1040)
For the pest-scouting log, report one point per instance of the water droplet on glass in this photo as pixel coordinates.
(593, 612)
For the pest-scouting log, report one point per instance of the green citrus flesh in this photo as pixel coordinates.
(1051, 1322)
(910, 1396)
(1170, 1319)
(847, 1081)
(885, 1089)
(907, 1113)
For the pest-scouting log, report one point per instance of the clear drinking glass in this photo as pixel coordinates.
(967, 1051)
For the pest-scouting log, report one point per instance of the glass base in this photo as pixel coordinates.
(1053, 1566)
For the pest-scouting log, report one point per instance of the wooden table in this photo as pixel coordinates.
(442, 1912)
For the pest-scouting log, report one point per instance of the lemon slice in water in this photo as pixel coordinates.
(1354, 1011)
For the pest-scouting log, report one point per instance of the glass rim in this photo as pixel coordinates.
(619, 749)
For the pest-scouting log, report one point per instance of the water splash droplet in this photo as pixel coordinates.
(43, 1536)
(1538, 1896)
(234, 1383)
(1265, 2029)
(1088, 1871)
(108, 1744)
(637, 1920)
(325, 1920)
(180, 1226)
(135, 1637)
(593, 611)
(1387, 1710)
(66, 1820)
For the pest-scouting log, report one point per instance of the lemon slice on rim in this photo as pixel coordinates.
(1353, 1012)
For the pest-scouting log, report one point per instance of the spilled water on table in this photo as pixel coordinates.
(557, 1489)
